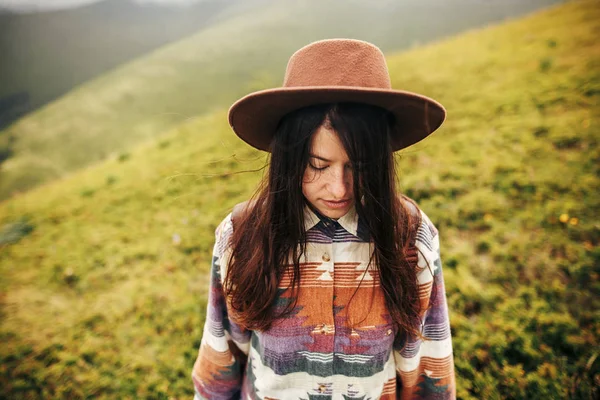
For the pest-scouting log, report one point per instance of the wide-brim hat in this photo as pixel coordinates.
(332, 71)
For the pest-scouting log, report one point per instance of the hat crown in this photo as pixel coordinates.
(338, 62)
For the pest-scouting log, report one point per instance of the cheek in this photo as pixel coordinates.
(310, 184)
(310, 177)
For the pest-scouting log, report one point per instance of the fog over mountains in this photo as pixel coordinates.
(45, 54)
(25, 6)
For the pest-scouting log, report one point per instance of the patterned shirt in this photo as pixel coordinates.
(313, 353)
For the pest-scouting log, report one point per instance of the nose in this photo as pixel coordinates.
(340, 183)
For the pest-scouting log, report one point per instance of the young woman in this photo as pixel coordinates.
(328, 283)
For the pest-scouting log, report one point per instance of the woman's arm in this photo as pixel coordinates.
(219, 368)
(425, 369)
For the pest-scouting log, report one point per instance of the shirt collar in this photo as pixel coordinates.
(349, 221)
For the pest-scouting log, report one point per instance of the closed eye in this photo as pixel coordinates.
(317, 168)
(347, 166)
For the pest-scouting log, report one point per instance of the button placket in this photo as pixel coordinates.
(324, 332)
(334, 327)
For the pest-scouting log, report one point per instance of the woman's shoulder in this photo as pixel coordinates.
(223, 233)
(224, 229)
(426, 226)
(241, 209)
(426, 241)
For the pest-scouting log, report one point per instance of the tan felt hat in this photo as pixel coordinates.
(330, 71)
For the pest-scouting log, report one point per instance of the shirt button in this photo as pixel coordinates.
(326, 257)
(389, 332)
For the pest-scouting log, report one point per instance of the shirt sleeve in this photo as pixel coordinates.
(219, 368)
(425, 368)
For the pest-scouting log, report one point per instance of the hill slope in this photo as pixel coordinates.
(240, 52)
(105, 292)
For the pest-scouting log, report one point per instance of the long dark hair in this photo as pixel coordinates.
(272, 229)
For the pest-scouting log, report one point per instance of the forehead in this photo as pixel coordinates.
(327, 144)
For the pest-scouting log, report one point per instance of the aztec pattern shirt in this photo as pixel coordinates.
(313, 353)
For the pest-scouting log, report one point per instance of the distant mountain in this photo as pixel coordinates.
(45, 54)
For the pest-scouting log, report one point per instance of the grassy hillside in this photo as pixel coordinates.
(238, 52)
(104, 274)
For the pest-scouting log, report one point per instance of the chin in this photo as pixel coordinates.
(334, 213)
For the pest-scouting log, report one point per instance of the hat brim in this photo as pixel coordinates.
(254, 117)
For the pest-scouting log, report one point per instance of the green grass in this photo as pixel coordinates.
(99, 298)
(238, 53)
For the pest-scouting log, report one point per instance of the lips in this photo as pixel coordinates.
(337, 204)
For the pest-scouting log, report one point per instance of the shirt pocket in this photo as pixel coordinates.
(365, 350)
(303, 340)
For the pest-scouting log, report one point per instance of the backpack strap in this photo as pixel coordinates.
(411, 251)
(239, 211)
(410, 204)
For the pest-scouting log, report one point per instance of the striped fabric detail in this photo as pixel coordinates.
(339, 342)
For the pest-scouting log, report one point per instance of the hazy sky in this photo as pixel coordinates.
(39, 5)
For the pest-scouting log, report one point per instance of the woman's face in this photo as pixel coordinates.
(327, 183)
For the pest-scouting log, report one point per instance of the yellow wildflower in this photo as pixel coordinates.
(573, 221)
(564, 218)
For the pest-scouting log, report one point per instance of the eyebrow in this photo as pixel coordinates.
(320, 158)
